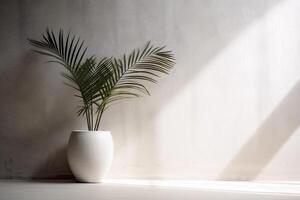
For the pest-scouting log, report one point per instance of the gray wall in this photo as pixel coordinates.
(228, 110)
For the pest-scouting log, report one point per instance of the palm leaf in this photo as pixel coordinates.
(99, 84)
(133, 70)
(83, 76)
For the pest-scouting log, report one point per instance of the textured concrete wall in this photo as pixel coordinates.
(228, 111)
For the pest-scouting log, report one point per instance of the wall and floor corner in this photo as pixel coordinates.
(229, 110)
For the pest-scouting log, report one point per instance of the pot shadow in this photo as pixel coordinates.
(55, 167)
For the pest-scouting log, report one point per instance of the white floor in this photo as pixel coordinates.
(147, 190)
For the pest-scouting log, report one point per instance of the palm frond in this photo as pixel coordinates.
(133, 70)
(101, 83)
(85, 76)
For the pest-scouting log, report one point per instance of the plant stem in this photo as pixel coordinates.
(92, 116)
(98, 119)
(88, 120)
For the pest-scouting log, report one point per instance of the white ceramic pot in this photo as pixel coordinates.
(90, 155)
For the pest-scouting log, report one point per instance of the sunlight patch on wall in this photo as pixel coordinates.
(216, 113)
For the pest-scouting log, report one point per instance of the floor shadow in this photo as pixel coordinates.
(60, 180)
(272, 134)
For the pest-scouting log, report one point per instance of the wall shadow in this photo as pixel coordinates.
(270, 136)
(54, 167)
(30, 129)
(33, 128)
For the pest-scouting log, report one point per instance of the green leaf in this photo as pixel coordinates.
(102, 83)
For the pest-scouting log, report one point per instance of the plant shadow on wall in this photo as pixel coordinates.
(269, 137)
(33, 122)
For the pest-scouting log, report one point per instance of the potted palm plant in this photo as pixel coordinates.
(99, 83)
